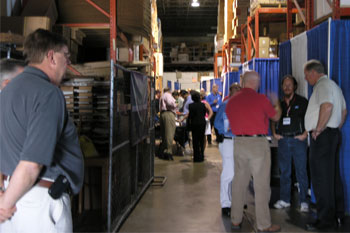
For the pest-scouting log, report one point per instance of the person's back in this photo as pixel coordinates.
(249, 103)
(197, 113)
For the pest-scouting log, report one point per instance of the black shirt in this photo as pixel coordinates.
(196, 114)
(291, 122)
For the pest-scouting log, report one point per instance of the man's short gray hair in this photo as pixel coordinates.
(315, 65)
(8, 67)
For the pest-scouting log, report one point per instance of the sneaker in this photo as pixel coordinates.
(304, 207)
(281, 204)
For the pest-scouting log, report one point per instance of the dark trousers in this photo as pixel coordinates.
(212, 119)
(322, 168)
(290, 149)
(339, 190)
(198, 135)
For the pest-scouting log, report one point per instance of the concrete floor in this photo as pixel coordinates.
(189, 201)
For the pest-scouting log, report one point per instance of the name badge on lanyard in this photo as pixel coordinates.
(286, 120)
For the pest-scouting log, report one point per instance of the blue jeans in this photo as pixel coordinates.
(290, 148)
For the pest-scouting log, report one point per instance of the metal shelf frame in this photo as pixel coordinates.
(339, 11)
(112, 26)
(252, 41)
(226, 53)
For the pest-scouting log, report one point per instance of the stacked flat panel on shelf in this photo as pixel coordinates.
(256, 4)
(87, 100)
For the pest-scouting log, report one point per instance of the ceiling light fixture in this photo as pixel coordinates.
(195, 3)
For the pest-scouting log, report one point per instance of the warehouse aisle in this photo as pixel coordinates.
(189, 201)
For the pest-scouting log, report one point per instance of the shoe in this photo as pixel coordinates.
(236, 226)
(304, 207)
(272, 228)
(226, 211)
(339, 221)
(319, 226)
(281, 204)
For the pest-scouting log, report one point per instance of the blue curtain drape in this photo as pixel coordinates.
(176, 86)
(340, 73)
(269, 72)
(169, 84)
(204, 85)
(285, 51)
(211, 84)
(230, 78)
(317, 46)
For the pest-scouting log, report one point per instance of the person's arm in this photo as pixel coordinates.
(219, 119)
(323, 117)
(276, 104)
(273, 129)
(23, 178)
(278, 114)
(210, 111)
(343, 117)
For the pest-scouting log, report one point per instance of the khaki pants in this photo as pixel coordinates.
(252, 158)
(167, 128)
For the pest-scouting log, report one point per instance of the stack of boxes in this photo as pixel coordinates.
(236, 54)
(240, 14)
(268, 47)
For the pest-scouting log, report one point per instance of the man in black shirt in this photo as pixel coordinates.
(292, 144)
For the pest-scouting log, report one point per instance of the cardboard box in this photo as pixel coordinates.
(41, 8)
(74, 47)
(12, 24)
(124, 55)
(264, 42)
(34, 22)
(24, 25)
(134, 16)
(183, 57)
(77, 36)
(263, 52)
(63, 31)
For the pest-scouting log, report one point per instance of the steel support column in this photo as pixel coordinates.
(113, 29)
(256, 46)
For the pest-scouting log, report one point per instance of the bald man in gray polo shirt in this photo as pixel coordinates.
(38, 142)
(324, 117)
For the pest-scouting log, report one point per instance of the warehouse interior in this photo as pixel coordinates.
(122, 51)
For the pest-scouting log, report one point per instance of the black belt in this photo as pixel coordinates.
(228, 137)
(290, 134)
(254, 135)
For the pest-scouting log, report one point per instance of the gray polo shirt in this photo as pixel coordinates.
(34, 126)
(325, 91)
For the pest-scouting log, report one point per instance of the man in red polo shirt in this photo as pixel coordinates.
(248, 113)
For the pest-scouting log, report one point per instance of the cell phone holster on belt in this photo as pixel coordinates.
(60, 186)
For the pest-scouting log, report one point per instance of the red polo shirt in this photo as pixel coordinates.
(248, 112)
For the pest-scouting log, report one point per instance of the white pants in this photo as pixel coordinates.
(226, 150)
(38, 212)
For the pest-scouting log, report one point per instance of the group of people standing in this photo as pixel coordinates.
(243, 122)
(192, 109)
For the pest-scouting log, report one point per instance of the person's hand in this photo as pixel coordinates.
(273, 98)
(5, 214)
(301, 137)
(215, 101)
(277, 136)
(315, 134)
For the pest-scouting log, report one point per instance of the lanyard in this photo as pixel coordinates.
(290, 105)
